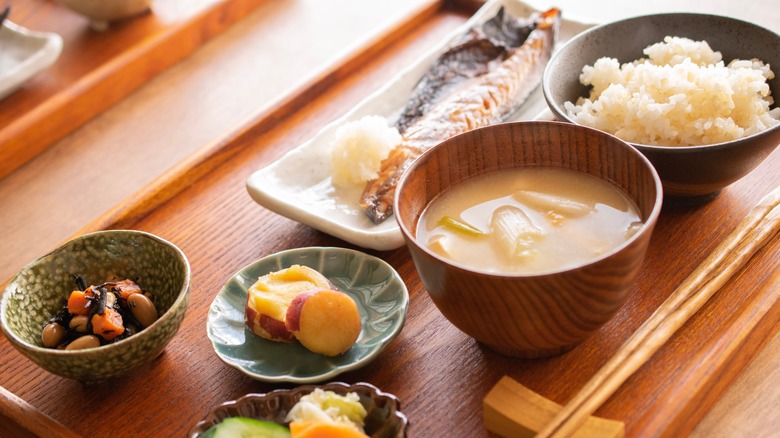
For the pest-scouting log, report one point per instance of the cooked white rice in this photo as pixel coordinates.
(359, 148)
(682, 94)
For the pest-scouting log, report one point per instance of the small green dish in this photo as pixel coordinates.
(380, 294)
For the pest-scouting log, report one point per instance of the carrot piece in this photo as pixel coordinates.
(127, 288)
(78, 304)
(323, 430)
(109, 325)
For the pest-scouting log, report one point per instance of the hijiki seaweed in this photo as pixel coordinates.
(98, 299)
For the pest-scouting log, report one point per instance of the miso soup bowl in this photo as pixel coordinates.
(529, 315)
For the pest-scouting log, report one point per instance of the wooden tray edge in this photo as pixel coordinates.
(709, 376)
(22, 140)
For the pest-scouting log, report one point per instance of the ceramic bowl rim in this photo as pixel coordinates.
(303, 389)
(138, 337)
(561, 113)
(647, 226)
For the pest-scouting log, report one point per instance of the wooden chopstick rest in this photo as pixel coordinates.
(758, 228)
(513, 410)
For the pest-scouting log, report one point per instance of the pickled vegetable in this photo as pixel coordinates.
(327, 407)
(324, 430)
(243, 427)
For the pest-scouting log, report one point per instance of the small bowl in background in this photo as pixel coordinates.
(690, 171)
(384, 420)
(102, 12)
(38, 291)
(529, 315)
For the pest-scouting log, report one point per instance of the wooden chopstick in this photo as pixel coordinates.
(19, 418)
(758, 228)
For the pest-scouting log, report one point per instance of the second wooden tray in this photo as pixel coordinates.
(97, 69)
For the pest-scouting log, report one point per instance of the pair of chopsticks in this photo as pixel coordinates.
(757, 229)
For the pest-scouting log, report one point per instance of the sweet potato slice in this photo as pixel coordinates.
(269, 298)
(324, 321)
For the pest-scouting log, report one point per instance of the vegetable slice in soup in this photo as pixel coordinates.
(528, 220)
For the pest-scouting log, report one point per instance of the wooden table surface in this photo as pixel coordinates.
(195, 128)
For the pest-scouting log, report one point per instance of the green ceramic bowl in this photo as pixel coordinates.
(37, 292)
(379, 292)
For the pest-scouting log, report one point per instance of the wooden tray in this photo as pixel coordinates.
(97, 69)
(439, 374)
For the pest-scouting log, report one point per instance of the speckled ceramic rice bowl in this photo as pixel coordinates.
(38, 291)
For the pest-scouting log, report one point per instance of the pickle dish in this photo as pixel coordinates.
(384, 417)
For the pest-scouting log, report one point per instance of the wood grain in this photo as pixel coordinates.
(440, 374)
(750, 235)
(97, 69)
(230, 82)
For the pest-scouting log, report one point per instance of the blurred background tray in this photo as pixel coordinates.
(97, 69)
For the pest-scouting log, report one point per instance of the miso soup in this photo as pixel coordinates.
(528, 220)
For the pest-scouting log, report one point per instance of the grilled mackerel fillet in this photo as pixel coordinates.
(481, 80)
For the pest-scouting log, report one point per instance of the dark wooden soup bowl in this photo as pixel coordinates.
(529, 315)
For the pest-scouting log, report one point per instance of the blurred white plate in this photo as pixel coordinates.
(298, 185)
(23, 54)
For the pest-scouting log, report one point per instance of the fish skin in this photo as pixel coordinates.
(472, 55)
(486, 99)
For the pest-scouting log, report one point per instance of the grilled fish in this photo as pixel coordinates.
(481, 80)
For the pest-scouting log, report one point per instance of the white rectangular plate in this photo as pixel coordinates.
(23, 54)
(298, 185)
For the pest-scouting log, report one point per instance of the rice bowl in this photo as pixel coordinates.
(686, 171)
(682, 94)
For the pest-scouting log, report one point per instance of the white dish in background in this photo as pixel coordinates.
(23, 54)
(298, 185)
